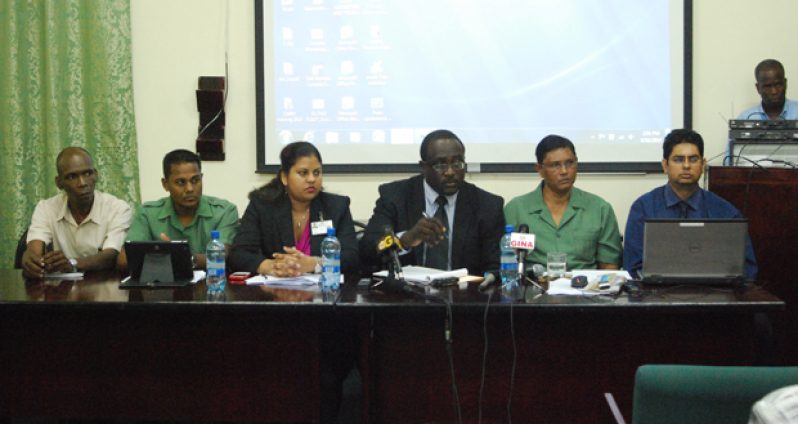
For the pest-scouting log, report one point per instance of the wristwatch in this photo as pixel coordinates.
(74, 263)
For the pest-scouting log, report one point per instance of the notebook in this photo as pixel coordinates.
(694, 251)
(158, 264)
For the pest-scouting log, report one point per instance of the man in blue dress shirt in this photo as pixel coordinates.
(683, 162)
(772, 87)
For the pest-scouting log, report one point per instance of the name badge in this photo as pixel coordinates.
(320, 227)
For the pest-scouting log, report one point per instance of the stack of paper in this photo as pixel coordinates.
(303, 281)
(420, 274)
(615, 278)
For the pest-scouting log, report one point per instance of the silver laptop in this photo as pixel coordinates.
(694, 251)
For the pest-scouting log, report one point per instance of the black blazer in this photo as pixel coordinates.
(478, 224)
(267, 226)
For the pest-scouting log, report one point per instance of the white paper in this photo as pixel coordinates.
(420, 274)
(64, 275)
(301, 281)
(616, 278)
(198, 275)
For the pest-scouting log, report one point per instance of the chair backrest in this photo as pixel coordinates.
(703, 394)
(21, 246)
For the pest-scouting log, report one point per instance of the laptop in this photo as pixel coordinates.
(679, 251)
(158, 264)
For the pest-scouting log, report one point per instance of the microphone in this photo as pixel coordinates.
(491, 278)
(537, 271)
(522, 242)
(390, 246)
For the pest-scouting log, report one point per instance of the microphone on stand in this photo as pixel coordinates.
(522, 242)
(523, 246)
(491, 279)
(389, 247)
(537, 271)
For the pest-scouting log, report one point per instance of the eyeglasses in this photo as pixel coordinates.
(555, 166)
(679, 160)
(441, 167)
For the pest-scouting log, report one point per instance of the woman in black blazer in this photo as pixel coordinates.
(286, 220)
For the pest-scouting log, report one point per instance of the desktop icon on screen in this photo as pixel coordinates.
(347, 32)
(347, 67)
(317, 104)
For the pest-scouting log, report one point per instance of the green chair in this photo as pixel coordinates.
(703, 394)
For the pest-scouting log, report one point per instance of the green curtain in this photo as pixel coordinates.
(65, 80)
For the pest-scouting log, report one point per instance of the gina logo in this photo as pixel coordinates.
(522, 241)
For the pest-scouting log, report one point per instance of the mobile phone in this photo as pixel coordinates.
(238, 277)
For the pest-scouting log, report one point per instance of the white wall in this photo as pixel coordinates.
(176, 41)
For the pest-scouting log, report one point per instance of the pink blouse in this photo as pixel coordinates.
(303, 244)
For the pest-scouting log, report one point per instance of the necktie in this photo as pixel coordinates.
(683, 209)
(438, 255)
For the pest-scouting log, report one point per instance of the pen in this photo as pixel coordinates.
(426, 215)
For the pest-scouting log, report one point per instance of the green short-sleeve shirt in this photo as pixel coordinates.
(588, 232)
(158, 216)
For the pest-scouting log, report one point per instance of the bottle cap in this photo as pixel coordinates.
(330, 231)
(508, 228)
(214, 234)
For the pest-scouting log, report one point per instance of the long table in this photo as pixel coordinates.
(88, 349)
(550, 359)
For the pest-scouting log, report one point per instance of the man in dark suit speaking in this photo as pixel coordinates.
(442, 221)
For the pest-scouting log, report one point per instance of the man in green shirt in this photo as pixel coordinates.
(186, 214)
(563, 217)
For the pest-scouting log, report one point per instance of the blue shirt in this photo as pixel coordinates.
(790, 111)
(662, 202)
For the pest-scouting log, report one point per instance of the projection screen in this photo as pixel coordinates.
(365, 80)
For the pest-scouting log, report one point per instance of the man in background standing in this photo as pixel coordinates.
(772, 87)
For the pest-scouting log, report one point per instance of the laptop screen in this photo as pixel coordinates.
(711, 251)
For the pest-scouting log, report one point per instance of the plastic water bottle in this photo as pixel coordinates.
(509, 265)
(330, 261)
(215, 278)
